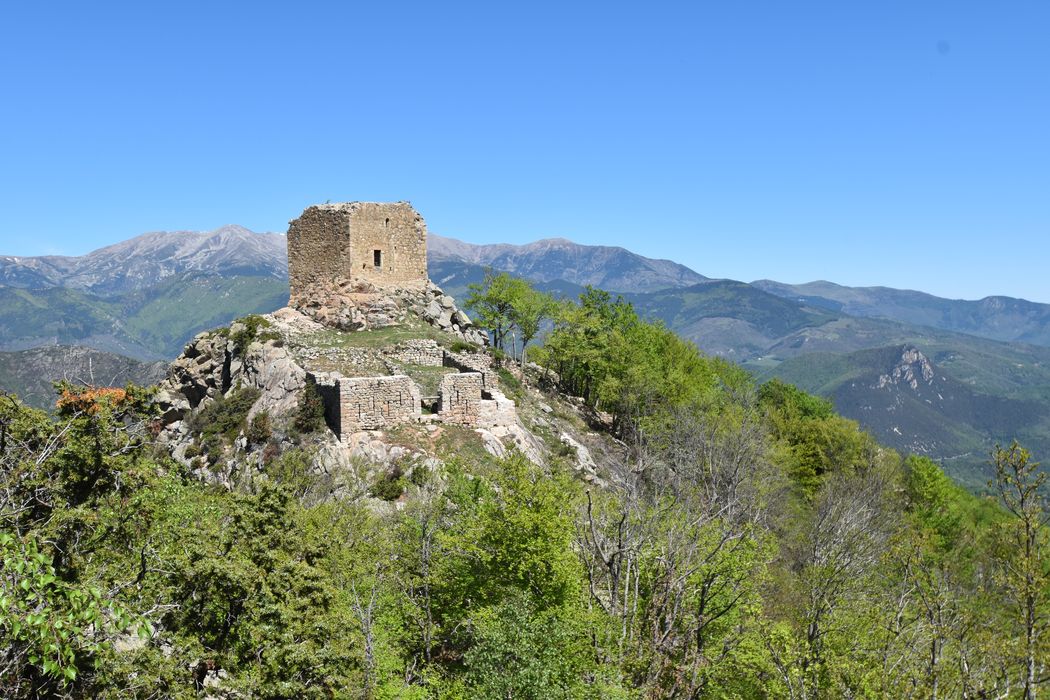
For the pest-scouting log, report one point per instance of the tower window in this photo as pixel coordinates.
(377, 258)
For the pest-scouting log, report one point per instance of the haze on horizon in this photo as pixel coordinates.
(886, 144)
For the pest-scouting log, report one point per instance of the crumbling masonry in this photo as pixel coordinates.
(469, 398)
(379, 242)
(353, 404)
(368, 246)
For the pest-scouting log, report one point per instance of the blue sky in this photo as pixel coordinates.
(897, 143)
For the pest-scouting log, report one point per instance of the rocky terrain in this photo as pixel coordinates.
(264, 367)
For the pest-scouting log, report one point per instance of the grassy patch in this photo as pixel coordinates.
(428, 378)
(253, 327)
(511, 385)
(464, 445)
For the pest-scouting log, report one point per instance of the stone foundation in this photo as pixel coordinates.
(367, 403)
(464, 400)
(474, 362)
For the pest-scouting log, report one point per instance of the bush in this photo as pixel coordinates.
(259, 430)
(224, 417)
(389, 486)
(420, 474)
(463, 346)
(251, 332)
(309, 417)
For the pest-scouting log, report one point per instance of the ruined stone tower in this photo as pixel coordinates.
(379, 242)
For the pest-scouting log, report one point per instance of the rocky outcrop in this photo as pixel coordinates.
(357, 305)
(912, 368)
(212, 365)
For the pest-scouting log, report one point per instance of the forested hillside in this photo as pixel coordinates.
(742, 541)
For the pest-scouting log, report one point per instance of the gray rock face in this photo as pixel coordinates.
(355, 305)
(211, 366)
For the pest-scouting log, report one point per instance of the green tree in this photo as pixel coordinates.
(1025, 539)
(492, 304)
(529, 309)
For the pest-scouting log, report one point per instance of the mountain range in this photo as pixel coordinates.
(989, 359)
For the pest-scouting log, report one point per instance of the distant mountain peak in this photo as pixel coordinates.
(142, 261)
(559, 259)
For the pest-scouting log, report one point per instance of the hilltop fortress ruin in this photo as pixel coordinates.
(367, 262)
(381, 243)
(368, 334)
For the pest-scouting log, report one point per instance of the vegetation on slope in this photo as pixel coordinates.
(749, 543)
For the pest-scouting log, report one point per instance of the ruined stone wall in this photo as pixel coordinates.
(372, 403)
(331, 242)
(499, 410)
(318, 246)
(424, 352)
(460, 398)
(328, 389)
(474, 362)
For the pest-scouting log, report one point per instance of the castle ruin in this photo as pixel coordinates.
(364, 256)
(384, 243)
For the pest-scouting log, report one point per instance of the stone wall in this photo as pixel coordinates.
(329, 242)
(474, 362)
(460, 398)
(372, 403)
(353, 404)
(424, 352)
(328, 389)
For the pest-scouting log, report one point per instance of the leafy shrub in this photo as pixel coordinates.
(259, 430)
(420, 474)
(224, 417)
(462, 346)
(389, 486)
(292, 469)
(211, 445)
(309, 417)
(271, 452)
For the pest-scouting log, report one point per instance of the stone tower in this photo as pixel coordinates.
(382, 243)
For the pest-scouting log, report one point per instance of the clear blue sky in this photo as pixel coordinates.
(896, 143)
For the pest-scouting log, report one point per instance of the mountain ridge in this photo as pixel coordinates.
(552, 259)
(142, 261)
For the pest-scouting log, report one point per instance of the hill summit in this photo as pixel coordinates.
(366, 338)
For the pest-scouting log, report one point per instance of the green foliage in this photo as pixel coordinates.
(790, 402)
(504, 304)
(253, 328)
(747, 543)
(389, 486)
(259, 430)
(462, 346)
(521, 652)
(224, 416)
(815, 441)
(309, 415)
(46, 624)
(603, 352)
